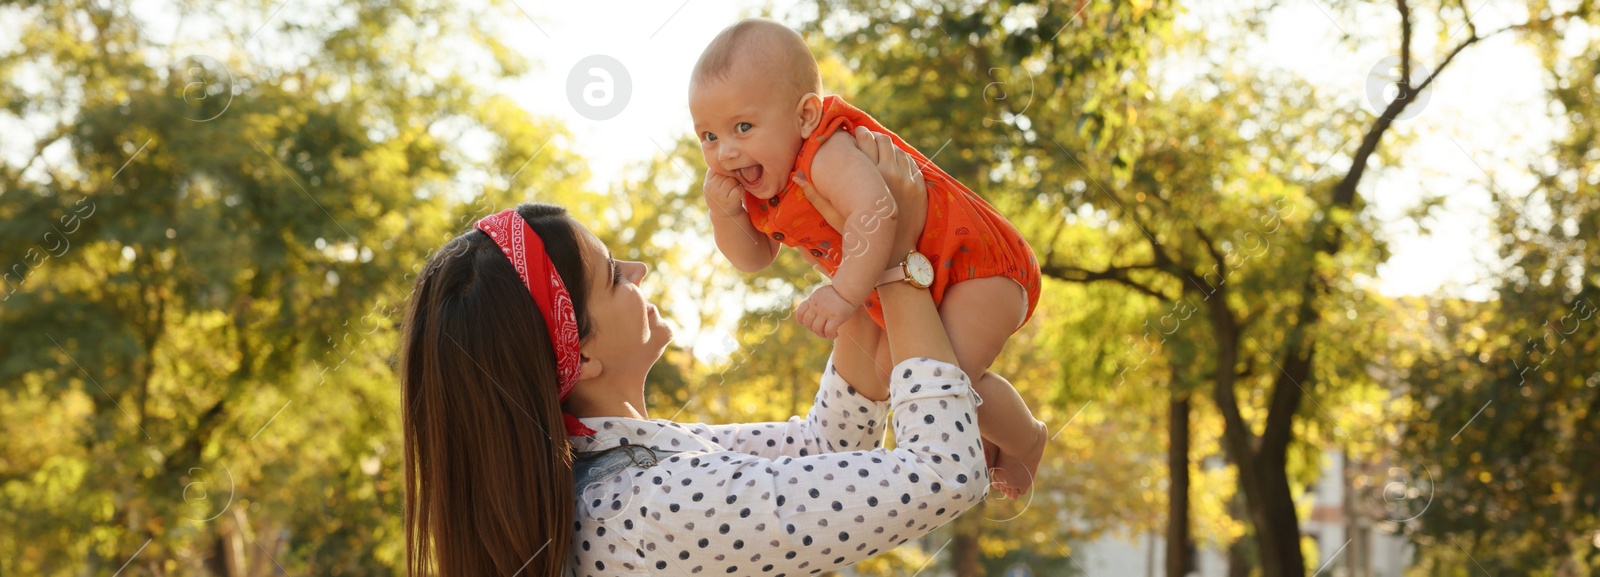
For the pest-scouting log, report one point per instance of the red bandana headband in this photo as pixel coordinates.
(526, 251)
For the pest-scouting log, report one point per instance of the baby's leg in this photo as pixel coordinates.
(1020, 439)
(980, 315)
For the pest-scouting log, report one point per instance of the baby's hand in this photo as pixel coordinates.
(723, 194)
(824, 312)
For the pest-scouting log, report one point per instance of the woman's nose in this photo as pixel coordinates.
(637, 271)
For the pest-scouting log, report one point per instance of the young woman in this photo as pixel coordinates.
(529, 450)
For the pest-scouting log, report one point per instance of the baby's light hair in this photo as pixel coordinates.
(773, 46)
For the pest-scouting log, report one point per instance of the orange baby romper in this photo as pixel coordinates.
(963, 236)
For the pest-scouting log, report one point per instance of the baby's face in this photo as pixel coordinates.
(747, 131)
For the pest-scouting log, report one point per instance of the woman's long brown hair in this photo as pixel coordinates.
(488, 467)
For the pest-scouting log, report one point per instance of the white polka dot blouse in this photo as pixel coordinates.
(783, 499)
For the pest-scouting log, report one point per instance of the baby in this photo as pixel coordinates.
(775, 177)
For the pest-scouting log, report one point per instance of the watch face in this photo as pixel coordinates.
(919, 269)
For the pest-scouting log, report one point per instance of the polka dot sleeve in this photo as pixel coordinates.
(733, 513)
(840, 420)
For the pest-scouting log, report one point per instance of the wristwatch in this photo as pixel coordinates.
(914, 270)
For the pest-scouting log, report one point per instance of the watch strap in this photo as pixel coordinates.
(895, 273)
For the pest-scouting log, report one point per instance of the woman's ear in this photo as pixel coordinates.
(589, 368)
(809, 112)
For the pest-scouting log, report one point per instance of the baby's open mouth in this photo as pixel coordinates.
(750, 177)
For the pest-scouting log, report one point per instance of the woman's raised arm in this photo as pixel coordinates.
(736, 513)
(842, 418)
(856, 352)
(741, 513)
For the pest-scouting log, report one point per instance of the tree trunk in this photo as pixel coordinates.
(1277, 527)
(1264, 480)
(1239, 558)
(965, 554)
(1180, 544)
(1180, 547)
(216, 564)
(1259, 460)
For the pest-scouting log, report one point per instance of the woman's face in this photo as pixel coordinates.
(628, 334)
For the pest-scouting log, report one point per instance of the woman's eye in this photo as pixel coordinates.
(743, 127)
(709, 137)
(616, 274)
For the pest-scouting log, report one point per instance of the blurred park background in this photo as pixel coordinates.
(1321, 275)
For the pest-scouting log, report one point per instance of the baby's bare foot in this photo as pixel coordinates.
(1013, 472)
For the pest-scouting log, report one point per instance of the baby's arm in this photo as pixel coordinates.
(848, 180)
(747, 248)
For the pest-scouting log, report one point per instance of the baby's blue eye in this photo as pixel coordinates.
(709, 137)
(743, 127)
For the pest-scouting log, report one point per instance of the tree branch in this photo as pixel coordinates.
(1149, 236)
(1285, 402)
(1405, 48)
(1114, 274)
(1288, 387)
(38, 148)
(1344, 192)
(1476, 38)
(1237, 438)
(1211, 249)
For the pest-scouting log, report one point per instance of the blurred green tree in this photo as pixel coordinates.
(205, 262)
(1507, 392)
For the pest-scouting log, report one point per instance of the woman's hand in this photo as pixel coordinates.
(912, 320)
(906, 183)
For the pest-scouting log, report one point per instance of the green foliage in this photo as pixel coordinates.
(208, 337)
(1507, 391)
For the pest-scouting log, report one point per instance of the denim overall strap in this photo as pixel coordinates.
(593, 466)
